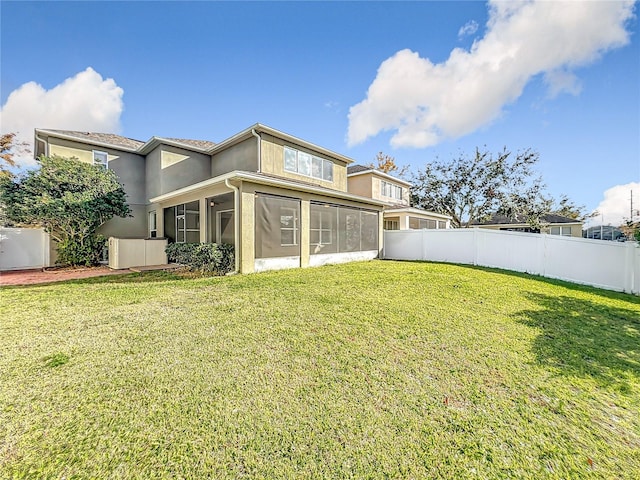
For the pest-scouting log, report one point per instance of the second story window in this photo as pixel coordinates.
(392, 191)
(308, 165)
(100, 158)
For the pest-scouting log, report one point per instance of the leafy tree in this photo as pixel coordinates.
(8, 149)
(70, 200)
(473, 188)
(567, 208)
(387, 164)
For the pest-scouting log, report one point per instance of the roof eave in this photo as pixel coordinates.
(50, 133)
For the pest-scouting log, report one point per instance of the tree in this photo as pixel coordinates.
(387, 164)
(565, 207)
(473, 188)
(8, 149)
(70, 200)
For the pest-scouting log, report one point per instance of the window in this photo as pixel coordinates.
(308, 165)
(101, 158)
(288, 226)
(563, 231)
(442, 224)
(392, 225)
(153, 229)
(392, 191)
(188, 222)
(422, 223)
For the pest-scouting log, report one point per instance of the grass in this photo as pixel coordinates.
(367, 370)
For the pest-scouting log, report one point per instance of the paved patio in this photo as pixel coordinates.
(31, 277)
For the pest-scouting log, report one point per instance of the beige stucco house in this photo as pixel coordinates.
(395, 193)
(550, 224)
(280, 200)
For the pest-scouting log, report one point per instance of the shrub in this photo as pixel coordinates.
(205, 257)
(72, 251)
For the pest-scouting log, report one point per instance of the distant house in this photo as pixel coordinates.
(397, 213)
(552, 224)
(605, 232)
(280, 200)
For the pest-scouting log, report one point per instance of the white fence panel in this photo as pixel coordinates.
(23, 248)
(610, 265)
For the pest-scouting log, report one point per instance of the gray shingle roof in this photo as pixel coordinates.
(357, 169)
(106, 138)
(202, 144)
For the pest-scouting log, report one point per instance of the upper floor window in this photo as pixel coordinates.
(100, 158)
(308, 165)
(392, 191)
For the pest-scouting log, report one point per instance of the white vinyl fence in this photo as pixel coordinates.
(23, 248)
(603, 264)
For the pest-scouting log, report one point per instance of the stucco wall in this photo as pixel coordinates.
(169, 168)
(273, 163)
(242, 156)
(360, 185)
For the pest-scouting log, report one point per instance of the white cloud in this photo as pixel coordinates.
(85, 102)
(468, 28)
(615, 208)
(425, 103)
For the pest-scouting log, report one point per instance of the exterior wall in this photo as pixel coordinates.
(370, 185)
(361, 185)
(272, 149)
(169, 168)
(242, 156)
(404, 218)
(576, 228)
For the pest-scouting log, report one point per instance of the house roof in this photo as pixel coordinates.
(203, 146)
(357, 168)
(264, 179)
(415, 211)
(504, 220)
(354, 170)
(110, 139)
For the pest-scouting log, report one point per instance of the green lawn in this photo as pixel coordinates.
(367, 370)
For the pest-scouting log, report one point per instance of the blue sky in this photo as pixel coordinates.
(207, 70)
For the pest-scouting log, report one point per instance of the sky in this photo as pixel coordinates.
(419, 81)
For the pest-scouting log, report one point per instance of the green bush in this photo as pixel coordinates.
(205, 257)
(81, 251)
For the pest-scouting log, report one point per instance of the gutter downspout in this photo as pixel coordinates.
(46, 145)
(236, 222)
(255, 134)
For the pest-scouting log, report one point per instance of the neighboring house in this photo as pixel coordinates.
(605, 232)
(398, 214)
(551, 224)
(280, 200)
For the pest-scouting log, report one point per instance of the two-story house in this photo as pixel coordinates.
(280, 200)
(398, 214)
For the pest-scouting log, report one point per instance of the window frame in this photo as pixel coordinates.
(391, 190)
(153, 225)
(326, 166)
(104, 164)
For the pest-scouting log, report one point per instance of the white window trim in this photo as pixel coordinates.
(323, 161)
(106, 162)
(394, 191)
(155, 222)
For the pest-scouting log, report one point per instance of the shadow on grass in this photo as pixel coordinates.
(585, 338)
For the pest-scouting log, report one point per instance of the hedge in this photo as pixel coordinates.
(205, 257)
